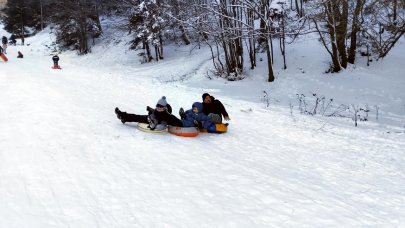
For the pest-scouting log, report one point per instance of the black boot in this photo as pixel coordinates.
(119, 115)
(117, 112)
(182, 114)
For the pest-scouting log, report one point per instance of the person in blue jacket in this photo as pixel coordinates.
(195, 117)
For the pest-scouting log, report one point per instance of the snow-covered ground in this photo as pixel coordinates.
(67, 161)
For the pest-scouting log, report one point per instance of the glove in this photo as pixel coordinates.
(150, 110)
(227, 118)
(198, 124)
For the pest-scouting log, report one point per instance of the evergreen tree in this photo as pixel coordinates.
(76, 22)
(22, 16)
(147, 25)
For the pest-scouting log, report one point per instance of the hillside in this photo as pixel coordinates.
(67, 161)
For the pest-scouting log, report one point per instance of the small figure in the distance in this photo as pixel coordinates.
(55, 60)
(13, 40)
(4, 41)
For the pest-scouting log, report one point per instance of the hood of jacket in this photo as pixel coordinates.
(198, 105)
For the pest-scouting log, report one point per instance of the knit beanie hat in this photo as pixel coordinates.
(205, 95)
(162, 102)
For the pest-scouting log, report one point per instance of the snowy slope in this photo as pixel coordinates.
(67, 161)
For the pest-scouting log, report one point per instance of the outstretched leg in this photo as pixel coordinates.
(128, 117)
(174, 121)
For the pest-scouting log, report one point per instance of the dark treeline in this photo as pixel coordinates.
(234, 30)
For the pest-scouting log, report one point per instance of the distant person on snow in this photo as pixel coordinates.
(4, 42)
(157, 118)
(211, 105)
(55, 60)
(2, 56)
(13, 39)
(20, 55)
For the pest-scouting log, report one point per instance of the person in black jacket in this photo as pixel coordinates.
(20, 55)
(211, 105)
(13, 39)
(55, 60)
(157, 118)
(4, 42)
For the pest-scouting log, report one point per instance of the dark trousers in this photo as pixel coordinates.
(168, 118)
(174, 121)
(127, 117)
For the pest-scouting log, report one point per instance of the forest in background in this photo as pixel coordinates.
(234, 30)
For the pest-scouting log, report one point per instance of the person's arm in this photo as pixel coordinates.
(189, 114)
(222, 110)
(169, 108)
(202, 117)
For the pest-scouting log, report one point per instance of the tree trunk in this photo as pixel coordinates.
(251, 40)
(282, 41)
(22, 21)
(42, 19)
(97, 13)
(270, 39)
(231, 36)
(341, 30)
(298, 8)
(395, 8)
(83, 32)
(157, 53)
(263, 11)
(331, 24)
(184, 35)
(270, 77)
(265, 38)
(160, 47)
(148, 53)
(354, 32)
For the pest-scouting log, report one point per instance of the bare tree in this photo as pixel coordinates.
(355, 30)
(385, 25)
(333, 17)
(265, 27)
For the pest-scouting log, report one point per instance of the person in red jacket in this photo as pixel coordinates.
(211, 105)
